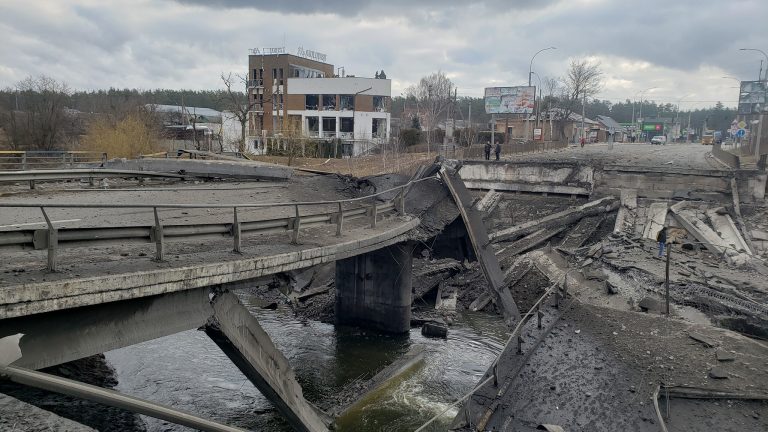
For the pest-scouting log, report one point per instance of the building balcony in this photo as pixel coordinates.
(328, 134)
(346, 135)
(253, 83)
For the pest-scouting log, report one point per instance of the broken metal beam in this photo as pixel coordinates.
(110, 397)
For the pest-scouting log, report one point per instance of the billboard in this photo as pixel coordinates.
(752, 97)
(509, 100)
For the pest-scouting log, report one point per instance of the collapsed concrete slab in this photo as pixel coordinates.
(627, 215)
(689, 220)
(481, 244)
(250, 348)
(655, 219)
(206, 168)
(542, 177)
(603, 205)
(726, 229)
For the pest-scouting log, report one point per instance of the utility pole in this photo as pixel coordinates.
(583, 106)
(666, 280)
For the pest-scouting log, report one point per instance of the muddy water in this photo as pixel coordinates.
(189, 372)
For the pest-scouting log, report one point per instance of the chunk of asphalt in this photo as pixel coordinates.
(705, 340)
(718, 373)
(725, 356)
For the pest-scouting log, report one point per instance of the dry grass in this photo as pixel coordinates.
(362, 166)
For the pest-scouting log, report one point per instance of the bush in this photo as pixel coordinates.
(410, 137)
(462, 136)
(127, 138)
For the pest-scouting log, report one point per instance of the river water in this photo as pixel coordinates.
(189, 372)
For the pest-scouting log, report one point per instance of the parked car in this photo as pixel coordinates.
(659, 139)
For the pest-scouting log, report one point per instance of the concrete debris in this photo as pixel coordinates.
(550, 428)
(689, 218)
(446, 298)
(718, 373)
(480, 302)
(725, 356)
(579, 234)
(627, 214)
(705, 340)
(566, 217)
(649, 304)
(759, 235)
(655, 219)
(532, 240)
(489, 202)
(726, 229)
(434, 329)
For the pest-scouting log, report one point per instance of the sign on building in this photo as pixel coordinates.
(509, 100)
(752, 98)
(537, 134)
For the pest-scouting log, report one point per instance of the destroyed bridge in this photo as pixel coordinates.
(61, 299)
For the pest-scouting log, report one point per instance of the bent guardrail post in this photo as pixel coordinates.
(236, 231)
(373, 213)
(53, 239)
(296, 226)
(158, 231)
(339, 221)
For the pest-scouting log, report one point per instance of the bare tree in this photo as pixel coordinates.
(583, 80)
(41, 120)
(239, 103)
(433, 95)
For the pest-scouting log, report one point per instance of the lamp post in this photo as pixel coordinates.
(536, 109)
(764, 55)
(530, 71)
(530, 65)
(641, 105)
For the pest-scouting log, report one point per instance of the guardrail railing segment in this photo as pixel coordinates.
(53, 238)
(13, 160)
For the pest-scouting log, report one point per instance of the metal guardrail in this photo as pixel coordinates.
(69, 174)
(53, 238)
(26, 160)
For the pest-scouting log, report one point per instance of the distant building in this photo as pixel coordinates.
(292, 94)
(611, 130)
(186, 127)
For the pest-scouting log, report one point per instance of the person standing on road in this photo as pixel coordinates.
(487, 151)
(661, 237)
(497, 150)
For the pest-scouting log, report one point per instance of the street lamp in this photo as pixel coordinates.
(530, 65)
(764, 55)
(530, 71)
(641, 105)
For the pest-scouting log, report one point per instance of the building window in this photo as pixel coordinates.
(347, 102)
(329, 102)
(347, 127)
(380, 103)
(313, 126)
(329, 127)
(311, 102)
(280, 76)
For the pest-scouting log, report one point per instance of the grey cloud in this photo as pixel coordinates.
(349, 8)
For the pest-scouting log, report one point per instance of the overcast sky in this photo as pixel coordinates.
(682, 47)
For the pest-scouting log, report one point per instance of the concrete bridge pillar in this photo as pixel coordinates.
(373, 290)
